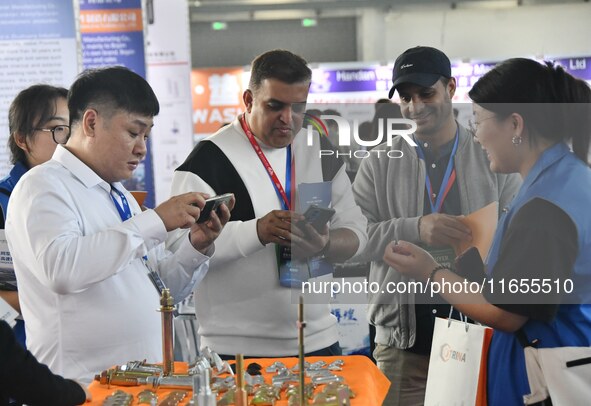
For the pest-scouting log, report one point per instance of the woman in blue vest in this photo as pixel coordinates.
(524, 115)
(38, 120)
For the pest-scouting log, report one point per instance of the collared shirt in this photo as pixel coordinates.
(84, 290)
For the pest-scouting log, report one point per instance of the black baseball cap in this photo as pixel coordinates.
(422, 66)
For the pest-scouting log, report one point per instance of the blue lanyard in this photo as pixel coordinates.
(125, 214)
(448, 179)
(287, 180)
(123, 209)
(285, 204)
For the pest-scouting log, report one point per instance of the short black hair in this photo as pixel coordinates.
(112, 88)
(29, 110)
(281, 65)
(553, 104)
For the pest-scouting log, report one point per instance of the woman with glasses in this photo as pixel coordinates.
(525, 113)
(38, 120)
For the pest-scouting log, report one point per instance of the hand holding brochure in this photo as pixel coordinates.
(483, 223)
(292, 273)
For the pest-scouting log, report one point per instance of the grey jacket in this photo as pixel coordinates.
(390, 192)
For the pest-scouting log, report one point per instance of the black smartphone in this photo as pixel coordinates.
(317, 217)
(211, 204)
(469, 265)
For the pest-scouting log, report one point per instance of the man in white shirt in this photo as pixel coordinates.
(243, 305)
(83, 248)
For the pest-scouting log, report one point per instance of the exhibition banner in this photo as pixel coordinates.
(217, 98)
(168, 58)
(37, 45)
(351, 89)
(578, 67)
(466, 74)
(112, 34)
(376, 78)
(352, 323)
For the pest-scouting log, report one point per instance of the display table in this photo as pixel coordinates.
(362, 376)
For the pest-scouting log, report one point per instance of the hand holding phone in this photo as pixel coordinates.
(317, 217)
(213, 203)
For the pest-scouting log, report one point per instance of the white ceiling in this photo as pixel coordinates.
(211, 10)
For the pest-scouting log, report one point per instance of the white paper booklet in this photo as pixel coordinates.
(7, 278)
(7, 313)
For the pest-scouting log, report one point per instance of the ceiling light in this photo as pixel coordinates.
(219, 25)
(309, 22)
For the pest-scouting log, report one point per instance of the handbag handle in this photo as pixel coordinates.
(523, 340)
(451, 310)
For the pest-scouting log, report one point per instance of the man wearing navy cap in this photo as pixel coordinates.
(419, 198)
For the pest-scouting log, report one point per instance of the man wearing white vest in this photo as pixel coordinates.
(262, 157)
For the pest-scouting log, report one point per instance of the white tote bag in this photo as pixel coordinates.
(562, 374)
(457, 366)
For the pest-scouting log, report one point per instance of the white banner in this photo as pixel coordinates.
(37, 45)
(169, 73)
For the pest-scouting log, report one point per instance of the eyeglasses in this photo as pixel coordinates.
(59, 133)
(473, 125)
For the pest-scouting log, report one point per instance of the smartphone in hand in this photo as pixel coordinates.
(213, 203)
(317, 217)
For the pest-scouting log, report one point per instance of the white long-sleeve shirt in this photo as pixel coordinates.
(83, 286)
(240, 305)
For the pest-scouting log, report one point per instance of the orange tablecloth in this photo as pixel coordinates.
(362, 376)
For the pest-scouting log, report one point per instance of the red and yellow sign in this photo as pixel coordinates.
(217, 98)
(116, 20)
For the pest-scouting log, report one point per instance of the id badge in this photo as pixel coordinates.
(320, 267)
(292, 273)
(445, 256)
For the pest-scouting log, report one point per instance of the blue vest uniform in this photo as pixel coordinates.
(564, 180)
(6, 187)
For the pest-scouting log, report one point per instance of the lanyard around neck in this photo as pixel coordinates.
(125, 214)
(123, 207)
(448, 179)
(286, 199)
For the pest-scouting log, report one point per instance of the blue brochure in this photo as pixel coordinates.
(318, 193)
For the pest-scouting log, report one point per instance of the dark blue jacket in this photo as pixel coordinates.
(7, 186)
